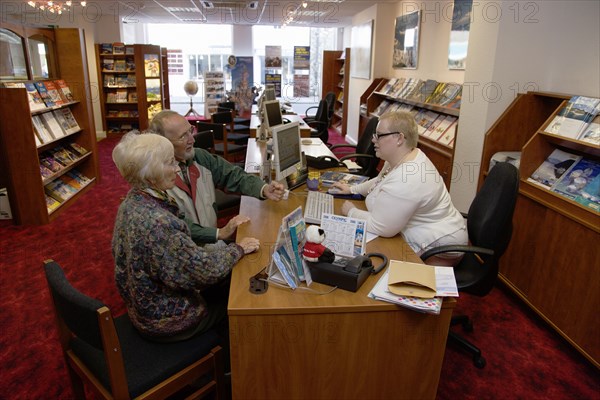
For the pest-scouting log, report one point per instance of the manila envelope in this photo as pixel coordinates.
(411, 279)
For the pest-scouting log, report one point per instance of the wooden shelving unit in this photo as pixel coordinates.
(139, 92)
(336, 78)
(21, 155)
(441, 155)
(551, 262)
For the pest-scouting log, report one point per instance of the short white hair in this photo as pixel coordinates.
(404, 122)
(140, 158)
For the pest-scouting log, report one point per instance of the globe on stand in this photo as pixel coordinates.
(191, 88)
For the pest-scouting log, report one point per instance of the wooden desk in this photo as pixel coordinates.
(257, 151)
(304, 129)
(340, 345)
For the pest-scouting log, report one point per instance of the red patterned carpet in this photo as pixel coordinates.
(525, 359)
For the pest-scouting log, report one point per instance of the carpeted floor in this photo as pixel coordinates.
(525, 358)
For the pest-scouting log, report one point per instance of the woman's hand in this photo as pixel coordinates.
(346, 207)
(228, 230)
(342, 187)
(249, 245)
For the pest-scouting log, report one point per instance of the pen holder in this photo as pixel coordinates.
(313, 180)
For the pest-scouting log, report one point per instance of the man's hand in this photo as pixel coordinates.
(274, 191)
(228, 230)
(346, 207)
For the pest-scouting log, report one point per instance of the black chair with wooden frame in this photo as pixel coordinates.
(364, 151)
(116, 362)
(230, 105)
(222, 145)
(489, 223)
(320, 126)
(238, 134)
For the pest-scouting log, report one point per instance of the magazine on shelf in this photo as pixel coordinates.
(591, 134)
(581, 183)
(64, 90)
(574, 117)
(447, 138)
(51, 203)
(41, 88)
(35, 100)
(70, 118)
(52, 89)
(106, 48)
(52, 124)
(443, 126)
(557, 164)
(41, 130)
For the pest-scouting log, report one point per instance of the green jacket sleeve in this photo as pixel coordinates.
(200, 234)
(228, 176)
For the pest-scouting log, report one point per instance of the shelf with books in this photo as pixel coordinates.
(429, 101)
(557, 222)
(336, 75)
(138, 83)
(30, 133)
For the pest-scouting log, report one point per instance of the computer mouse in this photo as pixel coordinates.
(306, 141)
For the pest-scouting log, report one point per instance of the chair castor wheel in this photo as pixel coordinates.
(479, 361)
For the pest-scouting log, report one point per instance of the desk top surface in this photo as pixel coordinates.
(265, 218)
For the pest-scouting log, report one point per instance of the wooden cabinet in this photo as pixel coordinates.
(552, 260)
(440, 154)
(21, 155)
(336, 78)
(133, 86)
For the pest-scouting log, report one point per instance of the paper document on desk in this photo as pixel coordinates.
(351, 165)
(380, 292)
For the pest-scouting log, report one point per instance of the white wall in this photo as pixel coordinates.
(550, 46)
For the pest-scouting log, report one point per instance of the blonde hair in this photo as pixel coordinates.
(404, 122)
(140, 158)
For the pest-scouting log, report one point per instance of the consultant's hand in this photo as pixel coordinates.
(346, 207)
(249, 244)
(274, 191)
(228, 230)
(344, 189)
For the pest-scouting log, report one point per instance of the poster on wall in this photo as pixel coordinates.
(241, 82)
(406, 41)
(301, 57)
(275, 80)
(360, 63)
(272, 56)
(459, 34)
(301, 85)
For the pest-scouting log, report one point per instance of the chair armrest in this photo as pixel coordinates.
(318, 123)
(335, 146)
(456, 248)
(310, 108)
(355, 155)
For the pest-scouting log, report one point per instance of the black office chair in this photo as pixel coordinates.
(222, 144)
(116, 362)
(320, 125)
(227, 203)
(364, 151)
(330, 99)
(489, 223)
(230, 105)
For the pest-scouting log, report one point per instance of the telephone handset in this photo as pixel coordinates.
(358, 263)
(322, 162)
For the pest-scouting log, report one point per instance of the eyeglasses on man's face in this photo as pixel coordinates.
(379, 135)
(183, 137)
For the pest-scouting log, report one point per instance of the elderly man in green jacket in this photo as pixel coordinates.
(201, 171)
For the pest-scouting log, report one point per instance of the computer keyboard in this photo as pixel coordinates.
(317, 204)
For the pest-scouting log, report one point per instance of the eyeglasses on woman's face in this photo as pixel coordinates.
(379, 135)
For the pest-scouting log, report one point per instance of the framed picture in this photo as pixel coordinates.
(360, 56)
(406, 41)
(459, 34)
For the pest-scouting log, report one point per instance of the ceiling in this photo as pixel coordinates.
(321, 13)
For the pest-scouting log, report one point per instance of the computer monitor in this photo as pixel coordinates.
(287, 151)
(269, 94)
(271, 114)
